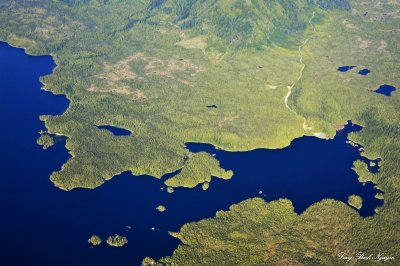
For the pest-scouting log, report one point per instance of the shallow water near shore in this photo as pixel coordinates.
(43, 225)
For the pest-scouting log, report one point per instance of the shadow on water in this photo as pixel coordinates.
(42, 225)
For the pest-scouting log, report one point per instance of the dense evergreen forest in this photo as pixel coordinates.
(270, 66)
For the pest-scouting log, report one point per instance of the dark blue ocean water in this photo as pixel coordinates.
(307, 171)
(42, 225)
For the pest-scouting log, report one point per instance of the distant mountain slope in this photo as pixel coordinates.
(237, 23)
(245, 23)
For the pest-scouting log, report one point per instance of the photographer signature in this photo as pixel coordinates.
(362, 256)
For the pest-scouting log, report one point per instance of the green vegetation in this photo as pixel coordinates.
(95, 240)
(117, 241)
(153, 67)
(355, 201)
(199, 168)
(326, 99)
(148, 261)
(120, 65)
(161, 208)
(45, 141)
(205, 185)
(379, 196)
(258, 233)
(364, 175)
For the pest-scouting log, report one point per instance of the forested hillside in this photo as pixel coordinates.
(269, 67)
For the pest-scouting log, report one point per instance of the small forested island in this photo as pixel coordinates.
(355, 201)
(205, 185)
(45, 141)
(161, 208)
(95, 240)
(117, 241)
(148, 261)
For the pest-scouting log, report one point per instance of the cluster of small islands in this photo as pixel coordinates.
(114, 241)
(117, 240)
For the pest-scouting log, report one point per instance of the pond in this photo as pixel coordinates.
(364, 72)
(385, 90)
(116, 131)
(43, 225)
(345, 68)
